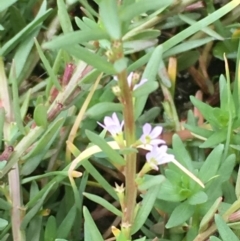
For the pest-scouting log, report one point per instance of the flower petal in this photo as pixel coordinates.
(115, 119)
(147, 129)
(156, 132)
(156, 142)
(112, 124)
(142, 82)
(108, 121)
(103, 126)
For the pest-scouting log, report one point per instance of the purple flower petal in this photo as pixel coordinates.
(158, 156)
(115, 119)
(112, 124)
(151, 136)
(156, 142)
(142, 82)
(156, 132)
(147, 129)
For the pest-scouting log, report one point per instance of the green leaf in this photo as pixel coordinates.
(101, 109)
(198, 198)
(6, 3)
(225, 232)
(33, 211)
(103, 203)
(133, 46)
(22, 53)
(40, 115)
(208, 217)
(206, 30)
(4, 205)
(202, 132)
(17, 18)
(90, 228)
(96, 175)
(216, 138)
(186, 46)
(149, 73)
(34, 157)
(178, 38)
(180, 152)
(180, 214)
(3, 224)
(223, 90)
(211, 165)
(145, 34)
(226, 169)
(205, 109)
(76, 37)
(21, 147)
(145, 89)
(25, 104)
(141, 61)
(150, 181)
(67, 223)
(170, 192)
(16, 106)
(90, 58)
(101, 143)
(130, 11)
(63, 17)
(34, 228)
(149, 115)
(3, 164)
(7, 47)
(108, 11)
(187, 59)
(51, 229)
(145, 209)
(47, 66)
(212, 238)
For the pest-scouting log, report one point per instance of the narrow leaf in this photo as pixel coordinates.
(90, 227)
(225, 232)
(145, 209)
(103, 203)
(108, 10)
(47, 66)
(211, 165)
(101, 143)
(67, 223)
(180, 214)
(90, 58)
(150, 74)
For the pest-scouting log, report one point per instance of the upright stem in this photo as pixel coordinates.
(129, 130)
(13, 175)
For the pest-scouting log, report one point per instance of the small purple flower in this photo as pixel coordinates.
(158, 156)
(151, 135)
(131, 82)
(112, 124)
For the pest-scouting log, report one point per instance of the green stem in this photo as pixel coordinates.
(129, 129)
(13, 175)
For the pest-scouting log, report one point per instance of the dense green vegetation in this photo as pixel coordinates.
(101, 136)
